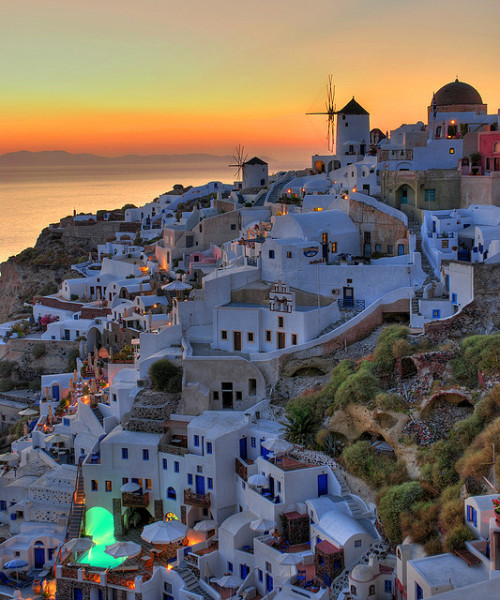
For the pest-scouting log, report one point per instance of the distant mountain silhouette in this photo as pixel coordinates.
(61, 158)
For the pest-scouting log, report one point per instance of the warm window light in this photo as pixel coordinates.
(452, 122)
(354, 189)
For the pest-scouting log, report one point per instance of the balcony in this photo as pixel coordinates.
(134, 499)
(240, 469)
(193, 499)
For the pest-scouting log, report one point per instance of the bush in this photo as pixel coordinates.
(456, 538)
(301, 425)
(165, 376)
(38, 351)
(384, 354)
(374, 468)
(71, 364)
(477, 353)
(6, 385)
(359, 388)
(439, 463)
(421, 522)
(392, 402)
(394, 501)
(6, 367)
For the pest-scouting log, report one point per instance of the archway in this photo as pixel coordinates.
(136, 517)
(319, 165)
(405, 197)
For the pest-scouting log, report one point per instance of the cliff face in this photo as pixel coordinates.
(38, 271)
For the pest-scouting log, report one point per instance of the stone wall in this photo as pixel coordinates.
(54, 360)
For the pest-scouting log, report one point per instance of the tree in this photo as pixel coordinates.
(301, 425)
(165, 376)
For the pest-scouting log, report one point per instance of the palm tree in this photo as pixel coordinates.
(300, 425)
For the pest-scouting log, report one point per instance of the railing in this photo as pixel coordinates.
(350, 303)
(395, 155)
(120, 580)
(134, 499)
(78, 499)
(194, 499)
(69, 572)
(240, 469)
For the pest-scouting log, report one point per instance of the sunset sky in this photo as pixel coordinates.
(161, 76)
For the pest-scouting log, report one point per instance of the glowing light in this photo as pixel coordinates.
(354, 189)
(170, 516)
(99, 526)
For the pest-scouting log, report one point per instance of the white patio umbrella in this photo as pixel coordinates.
(27, 412)
(122, 549)
(130, 486)
(262, 525)
(229, 581)
(176, 286)
(206, 525)
(291, 558)
(277, 445)
(258, 480)
(79, 544)
(164, 532)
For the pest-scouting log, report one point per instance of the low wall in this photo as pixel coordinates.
(53, 361)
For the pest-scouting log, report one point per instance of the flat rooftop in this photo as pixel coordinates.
(445, 568)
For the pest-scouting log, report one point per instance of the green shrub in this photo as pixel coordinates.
(477, 353)
(38, 351)
(165, 376)
(376, 469)
(384, 355)
(393, 402)
(6, 385)
(301, 424)
(420, 522)
(439, 463)
(359, 388)
(394, 501)
(455, 539)
(6, 367)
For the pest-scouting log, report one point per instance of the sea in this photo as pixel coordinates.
(33, 197)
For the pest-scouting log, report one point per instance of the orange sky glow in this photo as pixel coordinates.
(165, 76)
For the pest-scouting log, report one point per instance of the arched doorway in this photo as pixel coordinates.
(136, 517)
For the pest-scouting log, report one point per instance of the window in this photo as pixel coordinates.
(269, 335)
(281, 322)
(387, 586)
(239, 395)
(454, 299)
(357, 543)
(445, 243)
(66, 422)
(165, 464)
(268, 567)
(371, 590)
(390, 249)
(145, 454)
(233, 227)
(324, 238)
(223, 334)
(176, 466)
(199, 469)
(94, 485)
(196, 440)
(334, 247)
(253, 442)
(230, 567)
(124, 453)
(216, 395)
(243, 485)
(430, 195)
(3, 505)
(378, 248)
(419, 593)
(289, 254)
(124, 480)
(353, 589)
(271, 254)
(148, 484)
(190, 479)
(171, 493)
(210, 483)
(250, 337)
(108, 486)
(252, 387)
(261, 575)
(209, 447)
(451, 150)
(436, 313)
(294, 339)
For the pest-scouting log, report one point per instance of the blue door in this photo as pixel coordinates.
(200, 484)
(39, 558)
(77, 594)
(55, 392)
(269, 583)
(271, 486)
(401, 249)
(264, 452)
(243, 448)
(243, 571)
(322, 485)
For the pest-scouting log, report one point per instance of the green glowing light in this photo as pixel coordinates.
(99, 526)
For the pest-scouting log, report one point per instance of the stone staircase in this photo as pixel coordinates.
(191, 581)
(77, 509)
